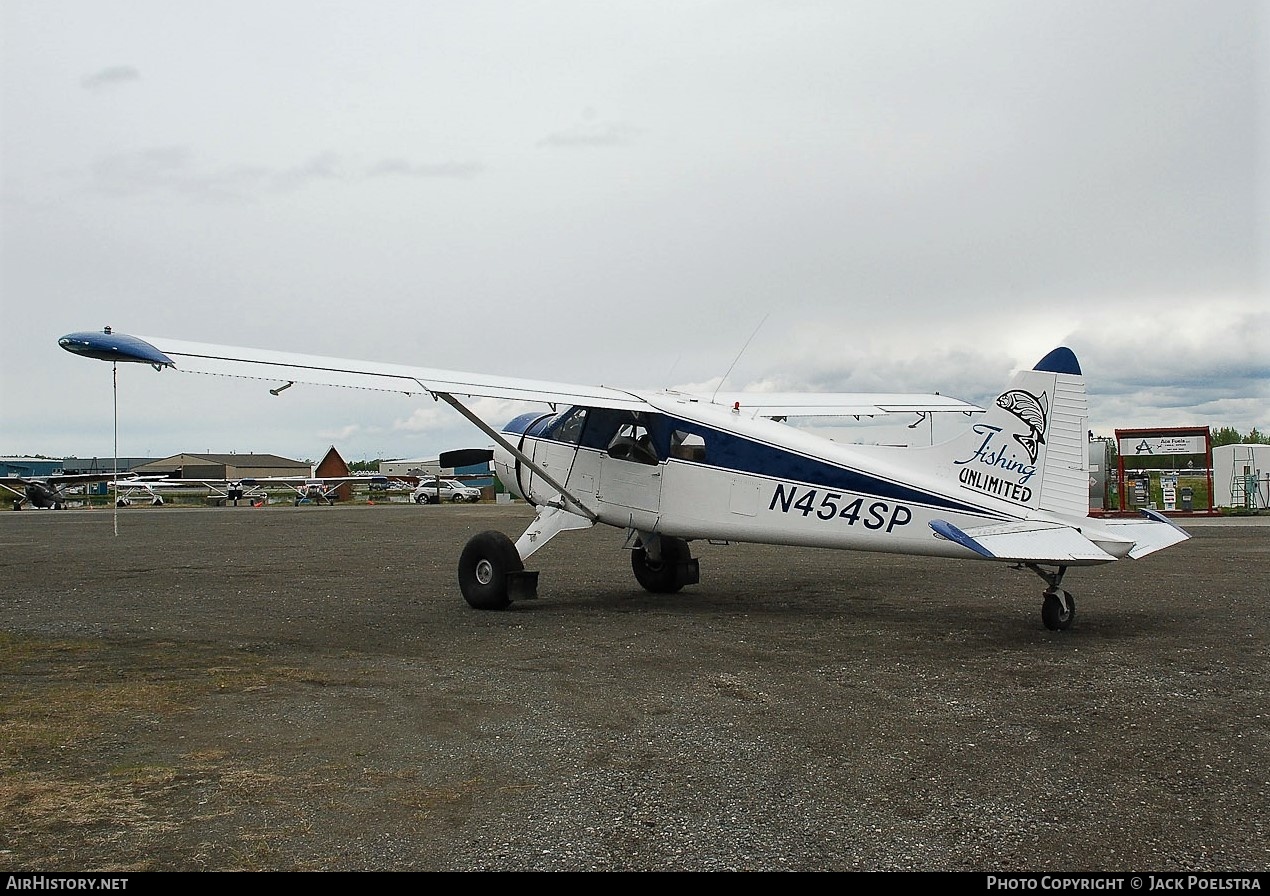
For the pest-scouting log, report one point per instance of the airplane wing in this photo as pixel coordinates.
(218, 487)
(194, 483)
(252, 481)
(302, 483)
(840, 404)
(60, 479)
(285, 368)
(73, 478)
(307, 480)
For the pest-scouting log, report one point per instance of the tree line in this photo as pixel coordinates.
(1228, 435)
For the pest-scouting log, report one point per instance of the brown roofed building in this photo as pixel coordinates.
(224, 466)
(333, 465)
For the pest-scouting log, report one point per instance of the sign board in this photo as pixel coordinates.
(1149, 446)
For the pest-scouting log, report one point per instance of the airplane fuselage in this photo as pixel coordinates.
(699, 471)
(42, 496)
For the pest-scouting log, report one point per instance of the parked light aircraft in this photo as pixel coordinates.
(255, 489)
(307, 489)
(152, 490)
(128, 491)
(670, 468)
(49, 492)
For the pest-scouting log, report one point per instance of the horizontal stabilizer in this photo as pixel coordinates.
(1025, 542)
(1152, 534)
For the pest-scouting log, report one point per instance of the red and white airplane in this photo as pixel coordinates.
(670, 468)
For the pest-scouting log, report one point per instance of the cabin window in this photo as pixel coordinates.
(633, 443)
(570, 429)
(687, 446)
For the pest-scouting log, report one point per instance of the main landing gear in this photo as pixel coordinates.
(492, 574)
(1058, 607)
(663, 565)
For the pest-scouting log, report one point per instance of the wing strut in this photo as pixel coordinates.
(572, 500)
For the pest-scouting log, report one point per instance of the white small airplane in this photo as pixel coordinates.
(152, 490)
(254, 490)
(127, 492)
(312, 490)
(670, 468)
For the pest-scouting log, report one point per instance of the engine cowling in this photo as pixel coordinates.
(505, 466)
(511, 472)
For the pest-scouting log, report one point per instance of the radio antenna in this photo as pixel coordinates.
(738, 356)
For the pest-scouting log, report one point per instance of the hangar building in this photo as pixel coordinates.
(224, 466)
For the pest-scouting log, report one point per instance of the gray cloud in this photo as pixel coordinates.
(109, 77)
(593, 133)
(174, 170)
(402, 168)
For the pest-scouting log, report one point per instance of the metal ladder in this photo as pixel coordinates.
(1243, 481)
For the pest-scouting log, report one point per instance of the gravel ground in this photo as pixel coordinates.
(303, 688)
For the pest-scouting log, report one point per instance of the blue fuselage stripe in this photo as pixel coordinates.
(746, 455)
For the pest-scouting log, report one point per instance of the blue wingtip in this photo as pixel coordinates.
(110, 346)
(1060, 360)
(1160, 518)
(952, 533)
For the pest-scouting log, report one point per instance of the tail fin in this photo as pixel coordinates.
(1029, 449)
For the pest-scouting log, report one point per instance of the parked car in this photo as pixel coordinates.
(433, 491)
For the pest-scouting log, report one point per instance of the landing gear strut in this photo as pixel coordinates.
(1058, 607)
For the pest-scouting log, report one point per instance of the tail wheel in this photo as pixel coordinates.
(661, 577)
(484, 566)
(1058, 610)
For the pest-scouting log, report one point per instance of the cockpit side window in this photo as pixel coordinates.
(687, 445)
(633, 442)
(603, 424)
(570, 428)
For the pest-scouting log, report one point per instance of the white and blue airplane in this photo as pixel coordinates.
(670, 468)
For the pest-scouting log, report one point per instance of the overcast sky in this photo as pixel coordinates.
(885, 196)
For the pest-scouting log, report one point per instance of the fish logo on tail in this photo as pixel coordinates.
(1033, 411)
